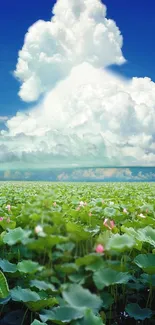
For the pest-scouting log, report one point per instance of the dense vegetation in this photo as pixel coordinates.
(79, 254)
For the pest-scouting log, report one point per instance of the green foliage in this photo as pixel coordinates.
(72, 269)
(108, 277)
(78, 297)
(146, 262)
(4, 289)
(138, 313)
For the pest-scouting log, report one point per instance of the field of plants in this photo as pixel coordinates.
(77, 254)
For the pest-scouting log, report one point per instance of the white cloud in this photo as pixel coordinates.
(88, 116)
(78, 32)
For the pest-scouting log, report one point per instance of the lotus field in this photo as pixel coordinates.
(78, 254)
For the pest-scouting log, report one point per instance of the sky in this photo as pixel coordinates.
(62, 119)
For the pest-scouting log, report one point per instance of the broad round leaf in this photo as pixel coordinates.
(89, 319)
(36, 322)
(146, 262)
(138, 313)
(29, 267)
(24, 295)
(120, 243)
(64, 314)
(42, 285)
(78, 297)
(6, 266)
(42, 303)
(15, 236)
(107, 277)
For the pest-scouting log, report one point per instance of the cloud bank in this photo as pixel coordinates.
(84, 115)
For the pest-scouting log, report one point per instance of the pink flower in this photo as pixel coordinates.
(125, 210)
(54, 204)
(8, 207)
(99, 249)
(105, 223)
(110, 225)
(1, 218)
(38, 229)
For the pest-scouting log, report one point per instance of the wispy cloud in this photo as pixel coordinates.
(3, 118)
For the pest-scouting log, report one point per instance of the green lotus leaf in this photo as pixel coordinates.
(42, 303)
(88, 259)
(4, 289)
(109, 212)
(67, 268)
(8, 225)
(78, 297)
(42, 285)
(66, 247)
(138, 313)
(148, 279)
(89, 319)
(29, 267)
(36, 322)
(147, 235)
(100, 263)
(77, 278)
(120, 243)
(64, 314)
(76, 231)
(6, 266)
(107, 277)
(107, 299)
(146, 262)
(42, 243)
(16, 235)
(24, 295)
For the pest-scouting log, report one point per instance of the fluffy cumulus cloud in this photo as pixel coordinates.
(85, 115)
(78, 32)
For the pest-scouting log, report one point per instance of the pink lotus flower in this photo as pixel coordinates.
(106, 224)
(1, 218)
(99, 249)
(54, 204)
(8, 207)
(125, 210)
(110, 225)
(38, 229)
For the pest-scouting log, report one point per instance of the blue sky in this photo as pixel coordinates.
(134, 18)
